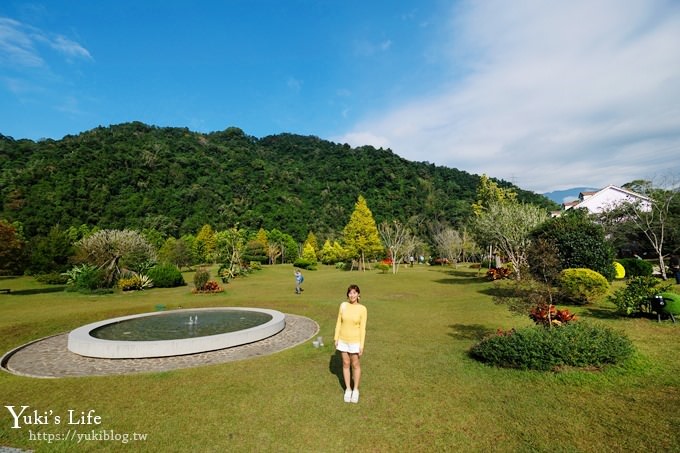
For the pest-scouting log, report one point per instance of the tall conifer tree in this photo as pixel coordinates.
(362, 239)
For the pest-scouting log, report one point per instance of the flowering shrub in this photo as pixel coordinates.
(497, 273)
(201, 277)
(211, 286)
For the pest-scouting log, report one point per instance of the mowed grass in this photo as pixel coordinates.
(420, 391)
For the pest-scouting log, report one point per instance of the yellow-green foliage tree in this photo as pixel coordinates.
(311, 240)
(362, 239)
(205, 244)
(308, 253)
(489, 192)
(331, 253)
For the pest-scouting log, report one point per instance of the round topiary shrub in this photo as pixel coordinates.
(619, 271)
(672, 301)
(636, 267)
(582, 286)
(166, 275)
(576, 344)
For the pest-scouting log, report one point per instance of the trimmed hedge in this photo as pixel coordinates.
(636, 267)
(577, 344)
(304, 264)
(166, 276)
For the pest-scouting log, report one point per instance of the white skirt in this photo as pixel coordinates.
(352, 348)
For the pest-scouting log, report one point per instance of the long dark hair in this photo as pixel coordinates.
(355, 288)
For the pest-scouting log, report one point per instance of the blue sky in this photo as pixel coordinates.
(546, 94)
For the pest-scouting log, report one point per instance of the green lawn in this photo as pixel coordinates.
(420, 390)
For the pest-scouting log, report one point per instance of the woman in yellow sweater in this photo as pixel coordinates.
(350, 333)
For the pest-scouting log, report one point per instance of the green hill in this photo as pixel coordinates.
(139, 176)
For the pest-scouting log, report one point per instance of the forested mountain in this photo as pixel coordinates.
(174, 180)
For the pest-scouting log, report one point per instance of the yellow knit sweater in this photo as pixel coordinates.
(351, 324)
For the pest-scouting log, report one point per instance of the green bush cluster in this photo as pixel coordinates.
(383, 267)
(582, 286)
(577, 344)
(636, 267)
(53, 278)
(304, 264)
(166, 275)
(87, 279)
(636, 295)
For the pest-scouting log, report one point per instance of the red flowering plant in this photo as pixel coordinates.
(211, 286)
(497, 273)
(547, 315)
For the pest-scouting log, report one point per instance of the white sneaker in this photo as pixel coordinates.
(355, 396)
(348, 395)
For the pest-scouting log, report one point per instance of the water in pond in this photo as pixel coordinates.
(187, 324)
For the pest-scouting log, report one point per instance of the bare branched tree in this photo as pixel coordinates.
(398, 239)
(651, 216)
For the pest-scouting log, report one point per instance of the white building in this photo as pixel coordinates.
(606, 199)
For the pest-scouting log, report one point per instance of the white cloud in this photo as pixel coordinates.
(20, 45)
(294, 84)
(369, 48)
(16, 45)
(70, 48)
(556, 95)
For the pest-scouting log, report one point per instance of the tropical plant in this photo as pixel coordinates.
(135, 282)
(110, 250)
(635, 297)
(87, 278)
(549, 316)
(497, 273)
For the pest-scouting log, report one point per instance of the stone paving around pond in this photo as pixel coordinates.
(50, 357)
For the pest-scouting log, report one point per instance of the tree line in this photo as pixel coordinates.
(175, 181)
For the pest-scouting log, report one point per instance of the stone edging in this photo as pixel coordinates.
(49, 357)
